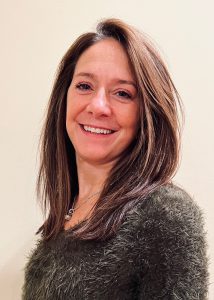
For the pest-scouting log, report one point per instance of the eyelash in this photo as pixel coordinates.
(124, 95)
(86, 87)
(83, 86)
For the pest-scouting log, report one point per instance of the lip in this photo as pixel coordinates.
(95, 135)
(100, 127)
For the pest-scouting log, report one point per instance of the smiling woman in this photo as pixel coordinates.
(102, 106)
(116, 226)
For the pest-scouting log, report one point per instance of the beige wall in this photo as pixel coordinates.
(34, 36)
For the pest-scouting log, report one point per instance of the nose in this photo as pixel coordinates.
(99, 104)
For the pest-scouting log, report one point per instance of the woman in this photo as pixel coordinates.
(117, 228)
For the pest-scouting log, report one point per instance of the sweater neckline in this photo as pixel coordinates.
(74, 227)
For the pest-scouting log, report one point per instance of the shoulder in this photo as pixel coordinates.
(169, 218)
(171, 224)
(170, 203)
(172, 196)
(170, 241)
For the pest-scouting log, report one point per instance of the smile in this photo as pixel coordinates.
(96, 130)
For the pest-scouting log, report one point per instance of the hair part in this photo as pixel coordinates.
(149, 162)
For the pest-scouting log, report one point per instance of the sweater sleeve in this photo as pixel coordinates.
(173, 248)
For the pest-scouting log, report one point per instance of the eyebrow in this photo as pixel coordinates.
(120, 81)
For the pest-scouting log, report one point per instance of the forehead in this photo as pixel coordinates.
(107, 55)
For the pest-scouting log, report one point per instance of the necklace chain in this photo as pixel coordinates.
(73, 209)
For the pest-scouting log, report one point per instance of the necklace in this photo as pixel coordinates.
(73, 209)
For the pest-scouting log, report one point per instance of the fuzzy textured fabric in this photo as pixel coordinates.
(159, 252)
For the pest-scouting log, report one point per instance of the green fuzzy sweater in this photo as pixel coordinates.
(159, 252)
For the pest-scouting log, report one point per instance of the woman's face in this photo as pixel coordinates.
(102, 105)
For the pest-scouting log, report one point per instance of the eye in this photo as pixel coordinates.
(83, 86)
(124, 95)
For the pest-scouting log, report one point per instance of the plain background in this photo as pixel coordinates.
(34, 36)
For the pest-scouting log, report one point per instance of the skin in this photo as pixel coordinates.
(102, 95)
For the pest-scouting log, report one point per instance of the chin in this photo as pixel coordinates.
(96, 158)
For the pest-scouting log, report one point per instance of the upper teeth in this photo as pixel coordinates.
(97, 130)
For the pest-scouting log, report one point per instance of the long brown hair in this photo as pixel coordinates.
(149, 162)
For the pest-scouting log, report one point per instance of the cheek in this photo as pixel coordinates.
(68, 118)
(129, 118)
(73, 106)
(136, 116)
(71, 113)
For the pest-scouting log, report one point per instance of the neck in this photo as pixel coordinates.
(91, 178)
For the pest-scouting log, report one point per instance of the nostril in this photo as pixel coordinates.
(99, 108)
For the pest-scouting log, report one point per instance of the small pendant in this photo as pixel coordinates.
(67, 217)
(69, 214)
